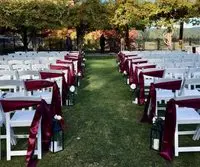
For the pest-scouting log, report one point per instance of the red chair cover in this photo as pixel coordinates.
(31, 85)
(70, 63)
(42, 110)
(70, 74)
(133, 77)
(163, 84)
(167, 149)
(76, 58)
(120, 56)
(139, 61)
(65, 88)
(153, 73)
(74, 54)
(128, 61)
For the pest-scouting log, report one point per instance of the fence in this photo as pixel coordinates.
(112, 45)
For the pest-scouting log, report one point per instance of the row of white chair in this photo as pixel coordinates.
(190, 86)
(15, 89)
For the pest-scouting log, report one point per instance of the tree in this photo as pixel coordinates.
(129, 14)
(196, 13)
(85, 16)
(169, 12)
(27, 17)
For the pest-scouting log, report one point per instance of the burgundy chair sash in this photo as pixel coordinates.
(76, 57)
(139, 61)
(120, 56)
(70, 75)
(49, 74)
(133, 77)
(128, 61)
(68, 63)
(73, 55)
(71, 58)
(167, 147)
(63, 61)
(149, 72)
(134, 57)
(169, 84)
(31, 85)
(42, 111)
(71, 65)
(124, 65)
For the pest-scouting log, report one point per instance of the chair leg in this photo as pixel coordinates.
(0, 142)
(156, 114)
(39, 142)
(176, 141)
(8, 135)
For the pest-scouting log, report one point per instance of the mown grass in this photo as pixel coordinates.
(104, 127)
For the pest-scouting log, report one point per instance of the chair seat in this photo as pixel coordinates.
(46, 95)
(163, 94)
(15, 94)
(148, 82)
(5, 77)
(12, 94)
(187, 115)
(188, 92)
(22, 118)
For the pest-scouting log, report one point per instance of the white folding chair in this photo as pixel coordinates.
(148, 79)
(58, 80)
(44, 93)
(177, 73)
(189, 87)
(12, 88)
(5, 67)
(28, 74)
(39, 67)
(185, 116)
(8, 75)
(21, 67)
(162, 97)
(20, 118)
(18, 62)
(196, 74)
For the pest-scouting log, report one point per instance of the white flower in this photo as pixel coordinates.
(72, 88)
(79, 74)
(133, 86)
(57, 117)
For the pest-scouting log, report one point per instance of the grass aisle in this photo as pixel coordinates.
(104, 128)
(106, 123)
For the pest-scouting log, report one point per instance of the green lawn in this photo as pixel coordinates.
(104, 128)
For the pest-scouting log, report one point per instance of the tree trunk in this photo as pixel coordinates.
(25, 38)
(34, 40)
(80, 36)
(127, 37)
(181, 34)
